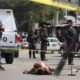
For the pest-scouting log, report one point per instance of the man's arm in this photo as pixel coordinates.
(31, 71)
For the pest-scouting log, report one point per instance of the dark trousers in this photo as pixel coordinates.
(43, 51)
(31, 50)
(70, 58)
(0, 58)
(70, 55)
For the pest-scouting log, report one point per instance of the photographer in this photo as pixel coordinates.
(70, 36)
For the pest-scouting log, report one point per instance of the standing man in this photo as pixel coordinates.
(70, 41)
(31, 39)
(70, 36)
(44, 41)
(1, 30)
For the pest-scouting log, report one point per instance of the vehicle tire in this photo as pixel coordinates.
(16, 54)
(61, 51)
(9, 57)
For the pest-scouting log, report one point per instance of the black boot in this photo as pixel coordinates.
(30, 54)
(34, 55)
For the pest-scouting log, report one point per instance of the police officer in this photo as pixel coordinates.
(44, 41)
(31, 39)
(70, 36)
(1, 30)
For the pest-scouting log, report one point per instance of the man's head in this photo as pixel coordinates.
(69, 22)
(40, 71)
(44, 28)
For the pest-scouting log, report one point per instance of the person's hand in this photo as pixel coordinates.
(25, 72)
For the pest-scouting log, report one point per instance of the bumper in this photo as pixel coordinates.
(9, 49)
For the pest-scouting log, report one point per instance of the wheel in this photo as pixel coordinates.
(16, 54)
(9, 57)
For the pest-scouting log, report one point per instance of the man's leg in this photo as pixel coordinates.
(34, 52)
(42, 55)
(30, 50)
(69, 58)
(31, 71)
(0, 62)
(29, 53)
(45, 50)
(0, 58)
(64, 58)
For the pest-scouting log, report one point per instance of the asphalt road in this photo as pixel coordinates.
(14, 71)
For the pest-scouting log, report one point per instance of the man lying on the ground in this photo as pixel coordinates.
(39, 68)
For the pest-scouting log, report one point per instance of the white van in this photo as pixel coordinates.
(9, 42)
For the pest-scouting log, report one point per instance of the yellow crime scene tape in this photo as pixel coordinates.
(24, 49)
(36, 50)
(58, 4)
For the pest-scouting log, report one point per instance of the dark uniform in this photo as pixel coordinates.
(44, 41)
(70, 40)
(31, 40)
(70, 36)
(1, 30)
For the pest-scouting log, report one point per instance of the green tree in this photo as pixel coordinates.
(26, 12)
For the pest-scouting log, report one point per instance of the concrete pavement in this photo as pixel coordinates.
(14, 71)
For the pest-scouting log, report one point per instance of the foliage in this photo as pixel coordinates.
(27, 13)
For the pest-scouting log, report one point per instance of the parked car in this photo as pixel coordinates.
(54, 44)
(24, 45)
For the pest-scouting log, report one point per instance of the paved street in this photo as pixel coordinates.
(14, 71)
